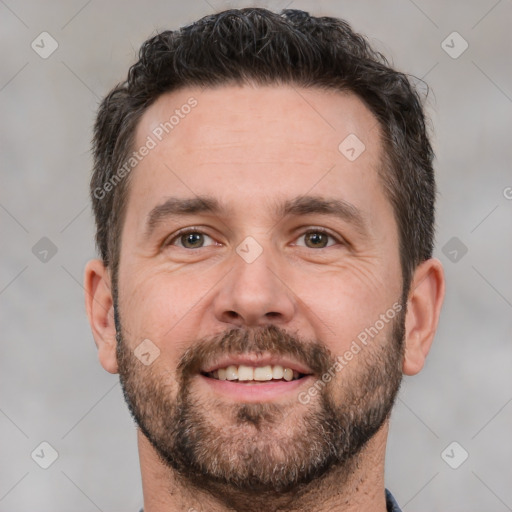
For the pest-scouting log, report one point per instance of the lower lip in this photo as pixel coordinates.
(257, 391)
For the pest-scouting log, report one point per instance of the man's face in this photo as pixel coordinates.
(251, 239)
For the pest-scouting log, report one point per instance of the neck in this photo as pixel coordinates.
(362, 490)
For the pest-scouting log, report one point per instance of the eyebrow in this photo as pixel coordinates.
(175, 206)
(306, 205)
(299, 206)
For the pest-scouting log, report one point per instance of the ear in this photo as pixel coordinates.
(423, 309)
(100, 310)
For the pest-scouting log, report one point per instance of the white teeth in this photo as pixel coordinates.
(277, 372)
(288, 374)
(263, 373)
(245, 372)
(260, 373)
(232, 373)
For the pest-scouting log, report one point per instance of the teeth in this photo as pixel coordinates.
(288, 374)
(263, 373)
(260, 373)
(245, 372)
(232, 373)
(277, 372)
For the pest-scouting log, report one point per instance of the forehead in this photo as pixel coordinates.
(247, 115)
(241, 143)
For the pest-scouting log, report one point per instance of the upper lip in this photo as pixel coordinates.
(255, 360)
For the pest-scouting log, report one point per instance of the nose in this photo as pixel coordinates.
(254, 294)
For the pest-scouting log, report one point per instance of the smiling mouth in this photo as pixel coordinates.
(255, 374)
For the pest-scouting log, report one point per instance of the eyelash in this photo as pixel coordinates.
(186, 231)
(324, 232)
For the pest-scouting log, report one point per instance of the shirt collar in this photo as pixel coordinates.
(391, 504)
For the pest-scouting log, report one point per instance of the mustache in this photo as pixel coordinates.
(268, 339)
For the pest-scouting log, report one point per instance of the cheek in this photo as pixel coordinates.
(349, 291)
(156, 307)
(367, 364)
(343, 304)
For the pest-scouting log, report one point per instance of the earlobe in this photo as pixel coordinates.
(100, 311)
(423, 310)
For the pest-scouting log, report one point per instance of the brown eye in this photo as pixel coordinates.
(192, 240)
(317, 239)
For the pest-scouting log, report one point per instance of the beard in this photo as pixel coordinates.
(268, 448)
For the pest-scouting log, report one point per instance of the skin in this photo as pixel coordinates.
(252, 148)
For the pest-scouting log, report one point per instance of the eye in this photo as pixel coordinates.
(191, 239)
(317, 239)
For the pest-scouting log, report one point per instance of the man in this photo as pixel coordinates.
(264, 199)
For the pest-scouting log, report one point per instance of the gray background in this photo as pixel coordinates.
(51, 386)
